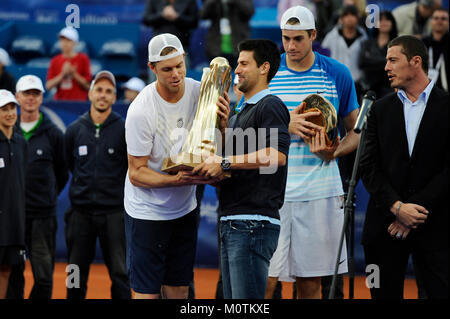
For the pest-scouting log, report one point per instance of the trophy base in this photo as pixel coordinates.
(184, 162)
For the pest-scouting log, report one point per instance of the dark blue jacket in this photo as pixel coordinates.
(98, 161)
(13, 162)
(47, 173)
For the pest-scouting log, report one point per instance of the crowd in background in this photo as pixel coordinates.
(344, 33)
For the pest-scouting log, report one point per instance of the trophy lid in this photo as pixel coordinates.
(220, 61)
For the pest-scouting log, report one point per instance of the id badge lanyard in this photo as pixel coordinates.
(433, 72)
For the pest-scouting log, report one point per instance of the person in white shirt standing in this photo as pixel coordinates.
(161, 219)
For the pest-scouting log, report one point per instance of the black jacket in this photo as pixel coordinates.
(13, 162)
(98, 161)
(371, 61)
(181, 27)
(239, 13)
(390, 174)
(438, 48)
(46, 171)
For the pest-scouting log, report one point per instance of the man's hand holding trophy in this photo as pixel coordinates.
(206, 137)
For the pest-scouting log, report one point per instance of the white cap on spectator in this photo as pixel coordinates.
(304, 15)
(6, 97)
(4, 57)
(69, 33)
(159, 43)
(29, 82)
(103, 75)
(134, 84)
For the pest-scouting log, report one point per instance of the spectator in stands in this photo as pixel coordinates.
(230, 24)
(13, 161)
(338, 5)
(344, 41)
(69, 72)
(7, 81)
(437, 44)
(372, 57)
(414, 18)
(283, 5)
(96, 155)
(132, 88)
(177, 17)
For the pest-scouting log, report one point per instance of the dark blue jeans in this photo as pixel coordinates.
(82, 231)
(246, 249)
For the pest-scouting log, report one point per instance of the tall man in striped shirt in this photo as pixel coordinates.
(312, 215)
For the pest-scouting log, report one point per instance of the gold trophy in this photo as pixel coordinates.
(327, 118)
(202, 139)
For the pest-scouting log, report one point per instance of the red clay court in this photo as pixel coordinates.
(205, 284)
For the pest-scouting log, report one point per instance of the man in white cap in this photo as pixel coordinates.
(132, 88)
(13, 161)
(46, 177)
(7, 81)
(312, 215)
(69, 72)
(96, 154)
(161, 220)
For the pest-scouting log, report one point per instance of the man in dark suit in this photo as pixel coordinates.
(404, 167)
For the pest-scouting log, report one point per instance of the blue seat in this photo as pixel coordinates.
(81, 46)
(119, 57)
(96, 66)
(42, 63)
(27, 47)
(118, 48)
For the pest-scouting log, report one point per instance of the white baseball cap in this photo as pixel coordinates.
(69, 33)
(304, 15)
(158, 43)
(6, 97)
(29, 82)
(4, 57)
(103, 75)
(134, 84)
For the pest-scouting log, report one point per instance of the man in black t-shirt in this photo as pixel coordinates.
(256, 156)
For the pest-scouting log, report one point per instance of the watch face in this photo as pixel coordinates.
(225, 164)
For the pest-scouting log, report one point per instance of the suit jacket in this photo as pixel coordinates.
(390, 174)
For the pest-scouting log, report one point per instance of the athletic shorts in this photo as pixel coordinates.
(161, 252)
(12, 255)
(309, 240)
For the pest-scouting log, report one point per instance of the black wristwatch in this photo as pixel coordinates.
(225, 164)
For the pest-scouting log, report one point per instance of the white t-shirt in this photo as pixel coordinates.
(158, 128)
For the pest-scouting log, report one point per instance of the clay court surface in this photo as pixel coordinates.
(205, 284)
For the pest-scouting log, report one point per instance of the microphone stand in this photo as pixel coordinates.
(349, 215)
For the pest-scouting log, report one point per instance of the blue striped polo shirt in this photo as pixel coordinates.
(310, 178)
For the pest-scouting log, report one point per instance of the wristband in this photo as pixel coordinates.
(397, 209)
